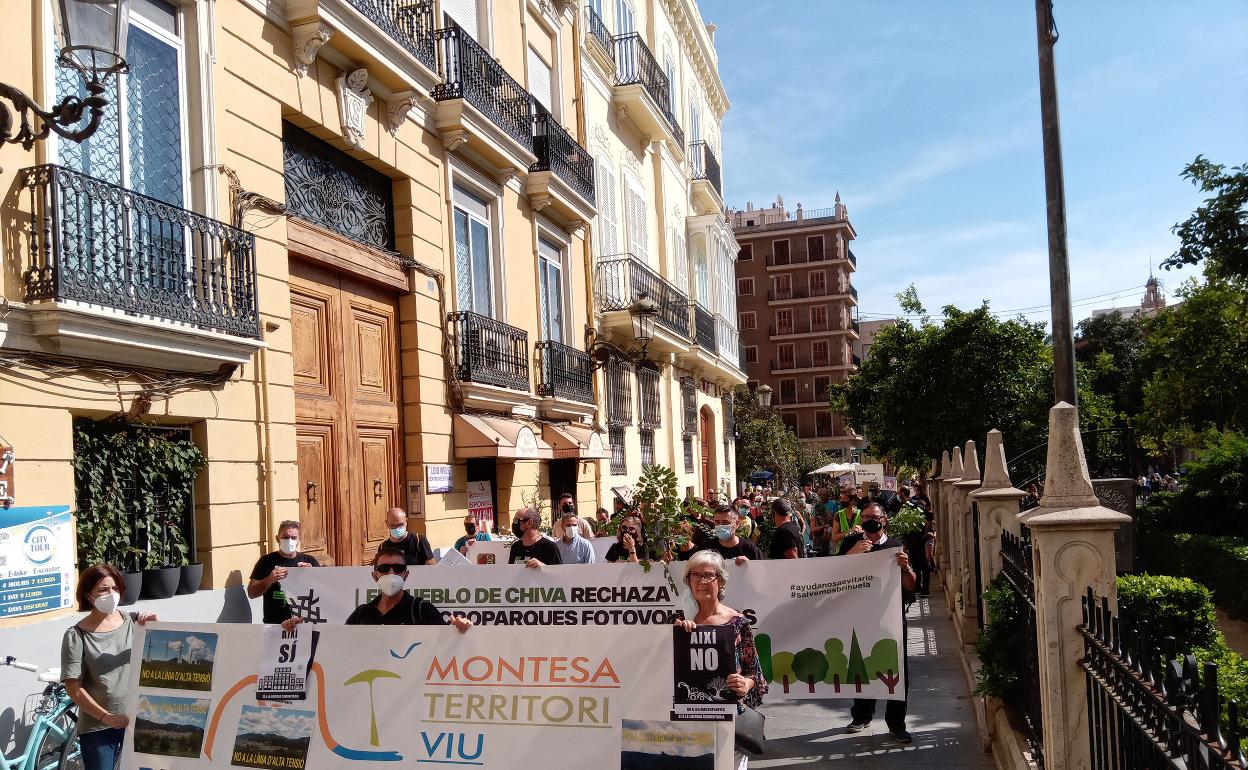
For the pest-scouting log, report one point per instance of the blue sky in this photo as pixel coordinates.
(925, 116)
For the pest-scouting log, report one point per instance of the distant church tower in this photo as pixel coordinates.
(1153, 300)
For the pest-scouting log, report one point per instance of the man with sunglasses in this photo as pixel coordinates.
(394, 606)
(873, 538)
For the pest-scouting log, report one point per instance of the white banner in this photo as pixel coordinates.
(417, 695)
(825, 628)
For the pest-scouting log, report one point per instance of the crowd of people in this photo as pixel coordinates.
(810, 522)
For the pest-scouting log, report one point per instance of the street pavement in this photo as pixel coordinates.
(811, 733)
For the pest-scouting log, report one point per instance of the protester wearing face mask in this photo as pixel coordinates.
(727, 543)
(628, 545)
(415, 547)
(573, 549)
(267, 575)
(532, 548)
(472, 533)
(95, 665)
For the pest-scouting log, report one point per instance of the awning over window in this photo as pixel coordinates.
(502, 437)
(575, 442)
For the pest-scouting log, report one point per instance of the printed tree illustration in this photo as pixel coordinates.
(883, 663)
(810, 666)
(782, 669)
(368, 677)
(763, 643)
(838, 664)
(857, 669)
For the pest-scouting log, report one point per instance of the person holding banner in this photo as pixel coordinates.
(95, 665)
(531, 548)
(472, 534)
(874, 538)
(706, 578)
(267, 575)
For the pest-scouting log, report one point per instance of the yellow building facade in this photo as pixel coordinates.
(353, 250)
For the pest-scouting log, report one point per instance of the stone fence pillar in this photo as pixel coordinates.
(1072, 539)
(968, 618)
(997, 503)
(953, 540)
(935, 491)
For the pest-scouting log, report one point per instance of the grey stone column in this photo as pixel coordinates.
(968, 625)
(1072, 539)
(997, 500)
(953, 538)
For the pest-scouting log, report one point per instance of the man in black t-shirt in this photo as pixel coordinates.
(394, 606)
(415, 547)
(628, 545)
(266, 576)
(786, 539)
(531, 548)
(726, 541)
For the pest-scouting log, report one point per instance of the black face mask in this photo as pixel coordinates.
(872, 526)
(517, 529)
(470, 529)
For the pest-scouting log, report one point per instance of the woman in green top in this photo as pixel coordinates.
(847, 521)
(95, 665)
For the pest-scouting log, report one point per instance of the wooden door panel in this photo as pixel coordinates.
(372, 339)
(314, 449)
(378, 465)
(311, 325)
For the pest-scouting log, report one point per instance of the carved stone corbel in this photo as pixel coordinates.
(576, 227)
(308, 39)
(353, 100)
(506, 175)
(401, 103)
(452, 139)
(539, 202)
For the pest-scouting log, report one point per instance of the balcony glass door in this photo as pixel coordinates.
(550, 275)
(473, 269)
(625, 18)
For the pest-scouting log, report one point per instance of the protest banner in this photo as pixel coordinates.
(377, 696)
(36, 559)
(481, 504)
(825, 628)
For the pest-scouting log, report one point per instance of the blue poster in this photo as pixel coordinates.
(36, 559)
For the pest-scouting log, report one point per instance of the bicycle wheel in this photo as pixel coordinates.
(58, 747)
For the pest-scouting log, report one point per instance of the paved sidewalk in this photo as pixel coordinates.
(941, 719)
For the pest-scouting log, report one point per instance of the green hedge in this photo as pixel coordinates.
(1000, 644)
(1221, 563)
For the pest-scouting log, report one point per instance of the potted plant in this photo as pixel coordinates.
(166, 557)
(130, 572)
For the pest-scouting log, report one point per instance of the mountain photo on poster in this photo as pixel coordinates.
(657, 745)
(171, 727)
(273, 737)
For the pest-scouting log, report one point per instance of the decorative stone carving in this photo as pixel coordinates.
(308, 39)
(506, 175)
(576, 227)
(601, 137)
(353, 100)
(539, 202)
(452, 140)
(401, 103)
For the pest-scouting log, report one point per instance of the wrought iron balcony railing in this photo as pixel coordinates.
(566, 372)
(489, 351)
(799, 293)
(799, 327)
(804, 362)
(853, 324)
(706, 166)
(469, 72)
(853, 292)
(703, 327)
(557, 151)
(852, 259)
(636, 64)
(96, 242)
(857, 360)
(408, 22)
(798, 258)
(598, 30)
(623, 278)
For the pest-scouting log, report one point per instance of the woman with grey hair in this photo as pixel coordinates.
(706, 577)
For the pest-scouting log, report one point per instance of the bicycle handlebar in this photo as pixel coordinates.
(15, 663)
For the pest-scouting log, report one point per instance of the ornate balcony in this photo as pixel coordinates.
(599, 38)
(567, 373)
(479, 103)
(703, 328)
(563, 176)
(407, 22)
(102, 255)
(490, 352)
(708, 191)
(623, 278)
(642, 89)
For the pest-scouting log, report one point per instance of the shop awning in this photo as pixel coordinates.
(502, 437)
(575, 442)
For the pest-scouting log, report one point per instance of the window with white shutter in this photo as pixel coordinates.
(608, 220)
(540, 80)
(636, 227)
(464, 12)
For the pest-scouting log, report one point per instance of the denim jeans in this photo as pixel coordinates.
(101, 748)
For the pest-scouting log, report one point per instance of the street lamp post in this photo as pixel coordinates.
(1064, 387)
(92, 37)
(764, 396)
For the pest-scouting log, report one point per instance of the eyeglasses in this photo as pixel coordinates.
(703, 577)
(386, 569)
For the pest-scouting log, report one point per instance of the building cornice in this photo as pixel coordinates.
(687, 22)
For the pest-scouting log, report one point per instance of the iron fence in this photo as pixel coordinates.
(557, 151)
(1109, 452)
(650, 412)
(469, 72)
(688, 406)
(1018, 567)
(102, 244)
(703, 327)
(489, 351)
(410, 24)
(705, 165)
(598, 31)
(636, 64)
(619, 392)
(566, 372)
(1148, 708)
(622, 279)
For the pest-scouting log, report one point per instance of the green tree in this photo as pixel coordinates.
(762, 643)
(838, 664)
(857, 670)
(764, 442)
(884, 664)
(1217, 232)
(1110, 351)
(782, 669)
(810, 666)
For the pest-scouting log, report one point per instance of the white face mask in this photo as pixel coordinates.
(106, 603)
(289, 544)
(390, 584)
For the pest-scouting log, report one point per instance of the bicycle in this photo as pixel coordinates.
(53, 740)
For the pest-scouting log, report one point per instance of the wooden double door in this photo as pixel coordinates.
(347, 411)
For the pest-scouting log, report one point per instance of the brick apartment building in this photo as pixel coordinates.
(797, 312)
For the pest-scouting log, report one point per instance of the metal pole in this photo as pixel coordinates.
(1064, 387)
